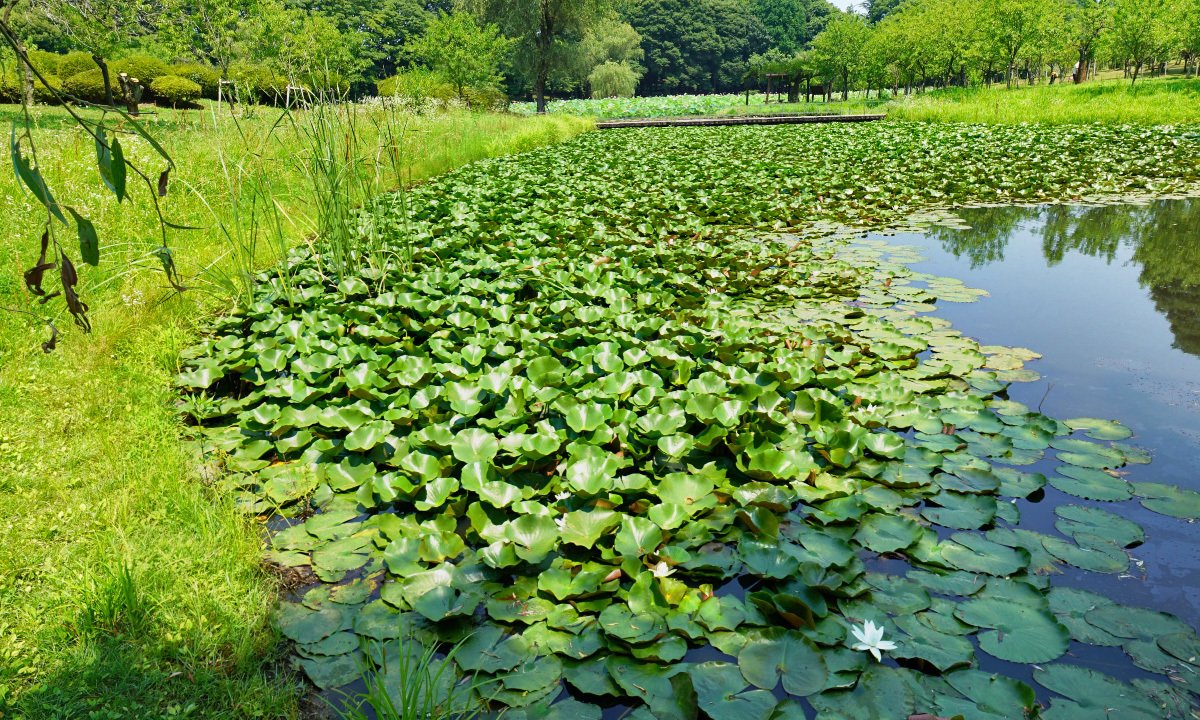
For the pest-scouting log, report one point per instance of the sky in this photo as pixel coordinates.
(846, 4)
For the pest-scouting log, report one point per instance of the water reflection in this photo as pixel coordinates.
(1164, 238)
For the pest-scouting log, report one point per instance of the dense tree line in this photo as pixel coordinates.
(543, 48)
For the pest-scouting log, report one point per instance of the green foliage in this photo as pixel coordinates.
(89, 86)
(143, 67)
(47, 62)
(1142, 30)
(415, 87)
(204, 76)
(75, 62)
(175, 90)
(613, 79)
(463, 52)
(385, 28)
(12, 86)
(558, 420)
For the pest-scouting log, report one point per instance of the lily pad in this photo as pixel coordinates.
(1021, 633)
(783, 655)
(1091, 484)
(974, 553)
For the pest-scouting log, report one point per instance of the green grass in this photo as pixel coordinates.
(129, 588)
(1152, 101)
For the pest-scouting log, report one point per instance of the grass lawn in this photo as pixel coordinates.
(128, 587)
(1165, 100)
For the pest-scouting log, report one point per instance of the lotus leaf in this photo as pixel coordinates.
(783, 655)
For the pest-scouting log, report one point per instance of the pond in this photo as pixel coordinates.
(1110, 296)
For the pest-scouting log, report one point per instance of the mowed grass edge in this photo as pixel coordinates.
(128, 587)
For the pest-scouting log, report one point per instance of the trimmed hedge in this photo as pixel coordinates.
(47, 63)
(75, 62)
(11, 86)
(89, 86)
(175, 90)
(204, 76)
(143, 67)
(259, 84)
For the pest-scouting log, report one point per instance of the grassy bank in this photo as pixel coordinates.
(129, 588)
(1151, 101)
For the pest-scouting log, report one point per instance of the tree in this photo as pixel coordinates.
(786, 22)
(465, 53)
(210, 30)
(101, 27)
(612, 79)
(838, 49)
(680, 44)
(877, 10)
(611, 41)
(548, 32)
(1010, 25)
(1141, 30)
(307, 47)
(385, 28)
(1088, 19)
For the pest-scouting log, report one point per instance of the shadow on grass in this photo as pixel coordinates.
(115, 679)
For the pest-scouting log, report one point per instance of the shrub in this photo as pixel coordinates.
(47, 63)
(613, 79)
(204, 76)
(143, 67)
(486, 97)
(75, 62)
(175, 90)
(11, 85)
(259, 84)
(89, 86)
(412, 87)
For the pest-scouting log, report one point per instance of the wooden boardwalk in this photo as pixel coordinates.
(738, 120)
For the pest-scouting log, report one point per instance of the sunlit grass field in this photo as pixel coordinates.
(1151, 101)
(128, 588)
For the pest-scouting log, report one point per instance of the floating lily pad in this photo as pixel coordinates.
(1135, 622)
(1100, 429)
(786, 656)
(887, 533)
(1071, 605)
(1168, 500)
(1021, 633)
(1091, 484)
(974, 553)
(1092, 553)
(1094, 521)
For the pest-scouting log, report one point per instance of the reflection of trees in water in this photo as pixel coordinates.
(1164, 237)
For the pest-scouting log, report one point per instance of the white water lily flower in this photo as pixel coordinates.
(870, 639)
(562, 496)
(662, 570)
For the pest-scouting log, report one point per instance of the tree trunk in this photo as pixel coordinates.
(107, 80)
(26, 76)
(845, 85)
(1137, 67)
(540, 93)
(1081, 69)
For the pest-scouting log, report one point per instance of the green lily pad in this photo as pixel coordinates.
(1099, 429)
(974, 553)
(1135, 622)
(1092, 553)
(1100, 693)
(1091, 484)
(993, 693)
(1071, 605)
(887, 533)
(783, 655)
(1021, 633)
(719, 690)
(1095, 521)
(960, 511)
(1168, 500)
(331, 671)
(881, 692)
(307, 626)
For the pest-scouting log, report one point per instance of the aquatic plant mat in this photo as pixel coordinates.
(615, 422)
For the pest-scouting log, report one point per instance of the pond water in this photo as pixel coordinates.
(1110, 296)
